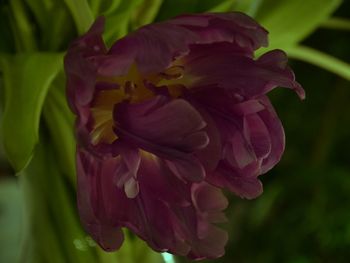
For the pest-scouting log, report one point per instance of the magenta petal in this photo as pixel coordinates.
(212, 246)
(190, 169)
(277, 136)
(208, 241)
(167, 123)
(243, 183)
(81, 74)
(239, 74)
(166, 220)
(126, 173)
(208, 198)
(236, 28)
(211, 154)
(171, 129)
(238, 152)
(153, 47)
(257, 135)
(248, 139)
(108, 237)
(93, 208)
(276, 61)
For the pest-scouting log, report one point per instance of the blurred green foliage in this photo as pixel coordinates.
(303, 215)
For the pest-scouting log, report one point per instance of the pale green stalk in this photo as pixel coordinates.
(320, 59)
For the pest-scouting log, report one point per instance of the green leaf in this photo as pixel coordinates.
(146, 13)
(11, 217)
(52, 226)
(81, 13)
(53, 34)
(223, 6)
(250, 7)
(22, 27)
(7, 43)
(171, 8)
(320, 59)
(118, 20)
(291, 21)
(27, 78)
(104, 7)
(209, 5)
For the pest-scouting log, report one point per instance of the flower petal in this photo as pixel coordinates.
(154, 47)
(93, 207)
(169, 129)
(257, 135)
(81, 75)
(166, 220)
(276, 131)
(246, 139)
(245, 77)
(242, 182)
(235, 27)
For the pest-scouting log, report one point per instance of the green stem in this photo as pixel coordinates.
(337, 23)
(320, 59)
(52, 226)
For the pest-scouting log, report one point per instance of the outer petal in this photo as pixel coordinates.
(154, 47)
(236, 28)
(274, 125)
(166, 220)
(242, 75)
(81, 75)
(93, 204)
(252, 139)
(243, 183)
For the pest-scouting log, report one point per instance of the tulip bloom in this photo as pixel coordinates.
(168, 116)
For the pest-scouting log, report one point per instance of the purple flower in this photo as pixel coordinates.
(166, 117)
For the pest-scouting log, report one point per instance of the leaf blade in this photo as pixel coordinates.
(291, 21)
(27, 78)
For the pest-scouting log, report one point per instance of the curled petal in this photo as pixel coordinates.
(257, 135)
(276, 131)
(241, 75)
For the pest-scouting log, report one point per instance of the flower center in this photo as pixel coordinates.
(134, 88)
